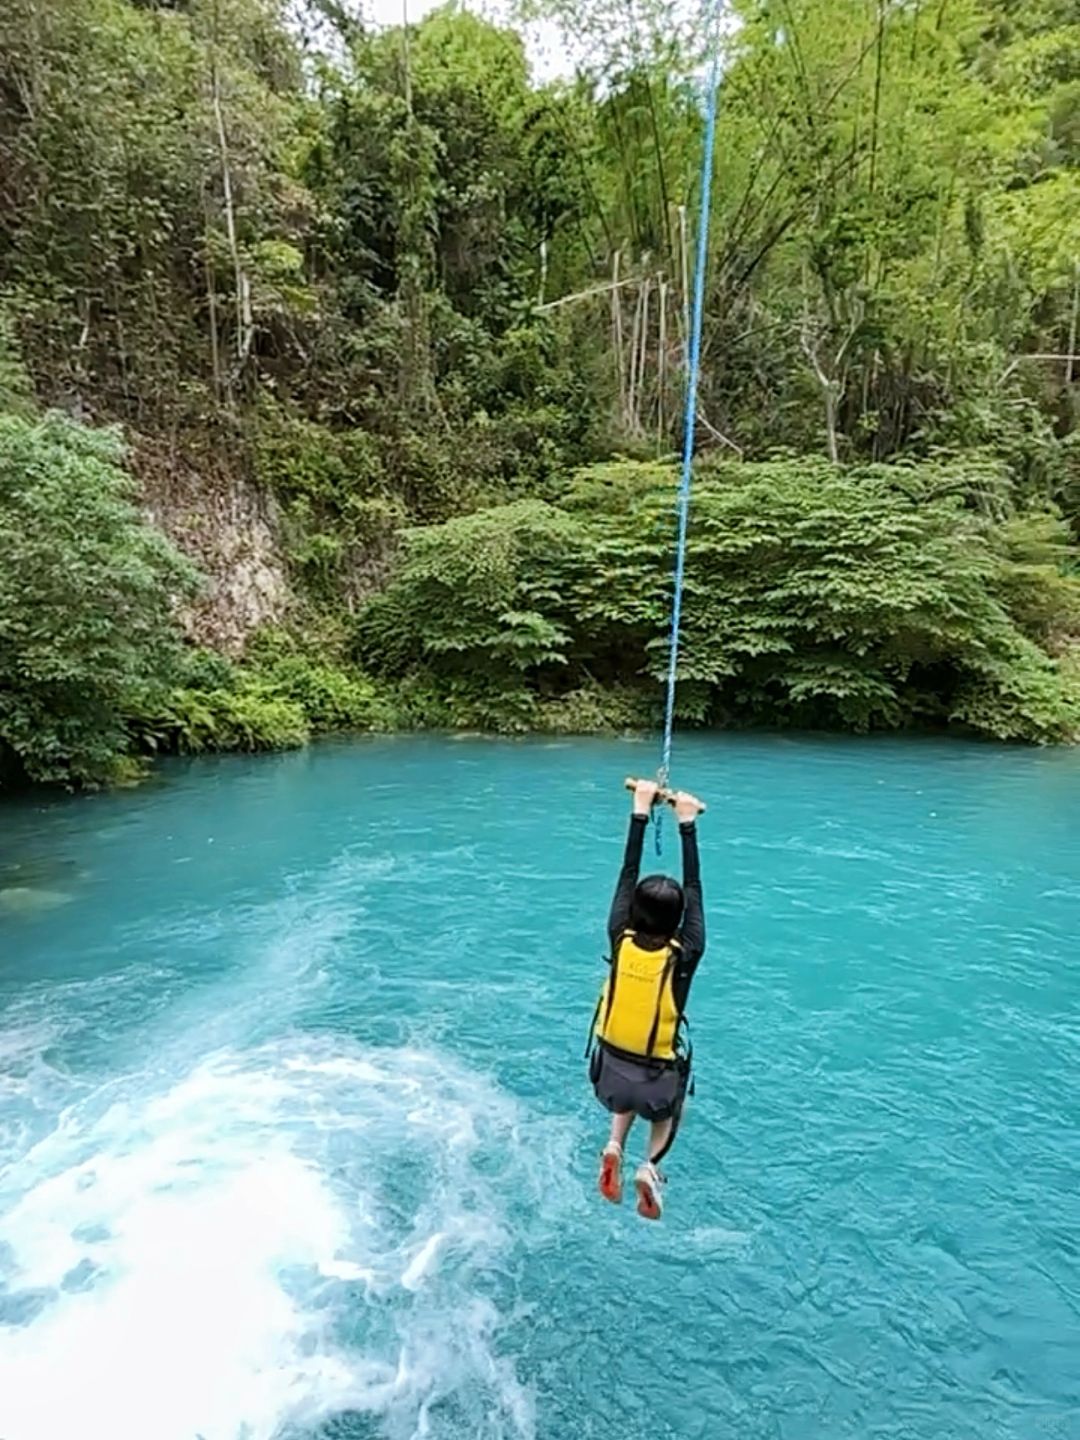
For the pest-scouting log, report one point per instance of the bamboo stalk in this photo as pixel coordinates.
(211, 305)
(643, 357)
(661, 364)
(630, 416)
(617, 331)
(242, 296)
(1019, 360)
(684, 262)
(588, 294)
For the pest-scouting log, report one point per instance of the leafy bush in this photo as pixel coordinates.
(201, 669)
(86, 592)
(1020, 695)
(298, 458)
(335, 498)
(423, 700)
(329, 698)
(190, 722)
(16, 391)
(598, 710)
(1034, 576)
(481, 593)
(865, 598)
(275, 701)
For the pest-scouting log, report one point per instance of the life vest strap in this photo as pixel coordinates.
(654, 1062)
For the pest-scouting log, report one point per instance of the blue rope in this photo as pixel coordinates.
(690, 420)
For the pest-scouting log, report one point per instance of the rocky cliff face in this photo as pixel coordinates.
(231, 530)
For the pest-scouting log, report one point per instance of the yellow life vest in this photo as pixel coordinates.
(637, 1011)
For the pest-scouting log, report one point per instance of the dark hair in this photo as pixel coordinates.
(657, 906)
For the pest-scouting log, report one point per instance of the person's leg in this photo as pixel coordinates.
(659, 1135)
(620, 1127)
(611, 1159)
(648, 1182)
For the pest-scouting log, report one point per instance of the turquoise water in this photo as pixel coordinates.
(295, 1139)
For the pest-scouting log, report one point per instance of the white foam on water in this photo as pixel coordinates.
(29, 899)
(422, 1261)
(718, 1237)
(273, 1236)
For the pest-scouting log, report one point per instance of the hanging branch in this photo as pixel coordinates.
(661, 173)
(718, 434)
(627, 170)
(586, 181)
(762, 102)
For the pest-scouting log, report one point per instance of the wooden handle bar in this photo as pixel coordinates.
(667, 797)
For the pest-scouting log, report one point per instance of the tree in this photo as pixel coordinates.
(87, 590)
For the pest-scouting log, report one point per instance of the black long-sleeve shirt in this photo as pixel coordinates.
(691, 934)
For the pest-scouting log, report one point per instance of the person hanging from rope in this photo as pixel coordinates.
(638, 1063)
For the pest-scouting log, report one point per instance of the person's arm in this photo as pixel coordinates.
(687, 808)
(644, 799)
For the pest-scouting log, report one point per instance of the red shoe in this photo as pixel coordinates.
(649, 1183)
(611, 1172)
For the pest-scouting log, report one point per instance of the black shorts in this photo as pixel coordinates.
(652, 1089)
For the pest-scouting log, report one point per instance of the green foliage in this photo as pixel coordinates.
(1019, 694)
(594, 709)
(189, 722)
(482, 589)
(411, 293)
(16, 391)
(277, 700)
(298, 458)
(866, 599)
(328, 697)
(86, 594)
(206, 670)
(1036, 578)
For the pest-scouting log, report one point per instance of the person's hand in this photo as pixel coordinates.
(687, 807)
(645, 793)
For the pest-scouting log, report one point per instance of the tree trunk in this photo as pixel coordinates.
(243, 292)
(543, 272)
(830, 421)
(211, 308)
